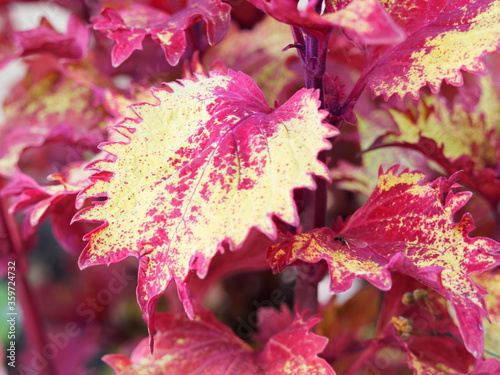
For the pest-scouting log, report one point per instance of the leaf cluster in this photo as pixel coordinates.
(241, 165)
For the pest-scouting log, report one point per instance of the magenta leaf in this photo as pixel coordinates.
(184, 346)
(38, 202)
(71, 46)
(129, 26)
(442, 37)
(486, 367)
(262, 58)
(271, 321)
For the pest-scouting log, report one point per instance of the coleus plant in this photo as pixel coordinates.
(261, 151)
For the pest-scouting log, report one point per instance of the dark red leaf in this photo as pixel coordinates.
(405, 226)
(184, 346)
(58, 201)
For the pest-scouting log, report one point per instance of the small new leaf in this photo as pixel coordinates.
(129, 26)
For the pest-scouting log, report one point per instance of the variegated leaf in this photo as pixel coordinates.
(405, 226)
(442, 37)
(202, 167)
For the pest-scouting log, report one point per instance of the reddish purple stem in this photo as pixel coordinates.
(32, 322)
(312, 49)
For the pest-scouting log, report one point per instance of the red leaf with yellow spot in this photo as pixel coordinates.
(204, 166)
(442, 37)
(205, 345)
(405, 226)
(129, 26)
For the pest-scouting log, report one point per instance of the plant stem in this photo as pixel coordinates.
(31, 318)
(306, 286)
(313, 57)
(312, 48)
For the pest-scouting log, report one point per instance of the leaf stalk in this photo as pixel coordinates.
(312, 50)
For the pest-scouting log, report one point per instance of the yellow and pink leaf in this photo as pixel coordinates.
(206, 164)
(459, 134)
(184, 346)
(408, 227)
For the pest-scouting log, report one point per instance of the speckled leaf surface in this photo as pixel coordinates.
(405, 226)
(491, 282)
(205, 345)
(262, 58)
(442, 37)
(204, 166)
(129, 26)
(45, 105)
